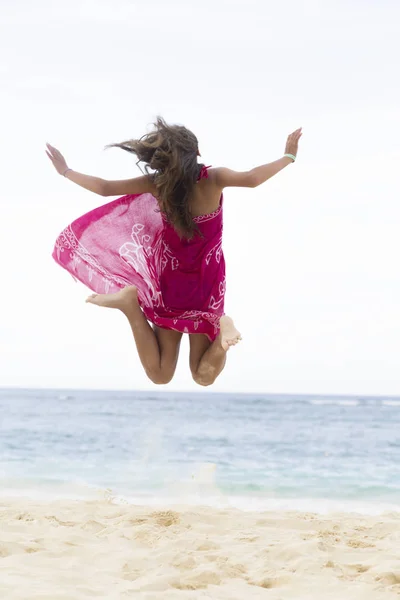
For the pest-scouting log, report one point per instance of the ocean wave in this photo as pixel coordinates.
(260, 504)
(334, 402)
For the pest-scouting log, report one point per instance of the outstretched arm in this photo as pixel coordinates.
(103, 187)
(258, 175)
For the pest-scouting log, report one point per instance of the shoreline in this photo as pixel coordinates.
(180, 496)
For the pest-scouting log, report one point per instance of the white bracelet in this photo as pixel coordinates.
(292, 156)
(66, 171)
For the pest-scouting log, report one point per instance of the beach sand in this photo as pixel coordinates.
(63, 550)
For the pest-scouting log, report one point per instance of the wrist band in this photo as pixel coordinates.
(292, 156)
(66, 171)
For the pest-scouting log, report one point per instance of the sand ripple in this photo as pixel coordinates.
(72, 550)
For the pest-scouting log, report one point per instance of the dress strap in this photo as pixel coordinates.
(203, 173)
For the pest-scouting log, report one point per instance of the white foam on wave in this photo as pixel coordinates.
(199, 490)
(259, 504)
(200, 494)
(334, 402)
(391, 403)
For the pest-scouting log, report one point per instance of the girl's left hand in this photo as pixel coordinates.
(57, 159)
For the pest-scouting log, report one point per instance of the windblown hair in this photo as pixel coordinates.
(170, 156)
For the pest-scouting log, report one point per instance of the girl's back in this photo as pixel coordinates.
(206, 195)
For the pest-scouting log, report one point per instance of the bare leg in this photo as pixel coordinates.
(158, 349)
(207, 360)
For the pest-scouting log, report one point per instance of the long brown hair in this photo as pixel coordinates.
(170, 152)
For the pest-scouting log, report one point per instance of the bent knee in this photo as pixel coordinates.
(159, 377)
(203, 379)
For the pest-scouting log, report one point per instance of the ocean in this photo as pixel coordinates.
(254, 452)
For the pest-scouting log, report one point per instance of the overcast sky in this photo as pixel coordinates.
(312, 256)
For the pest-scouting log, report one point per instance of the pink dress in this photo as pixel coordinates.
(181, 283)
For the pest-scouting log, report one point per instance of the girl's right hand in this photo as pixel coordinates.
(293, 142)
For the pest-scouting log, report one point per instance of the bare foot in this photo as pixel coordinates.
(230, 336)
(122, 299)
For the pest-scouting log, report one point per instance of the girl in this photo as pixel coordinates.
(155, 253)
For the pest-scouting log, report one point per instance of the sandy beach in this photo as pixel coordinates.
(63, 550)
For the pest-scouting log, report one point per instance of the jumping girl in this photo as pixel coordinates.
(156, 252)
